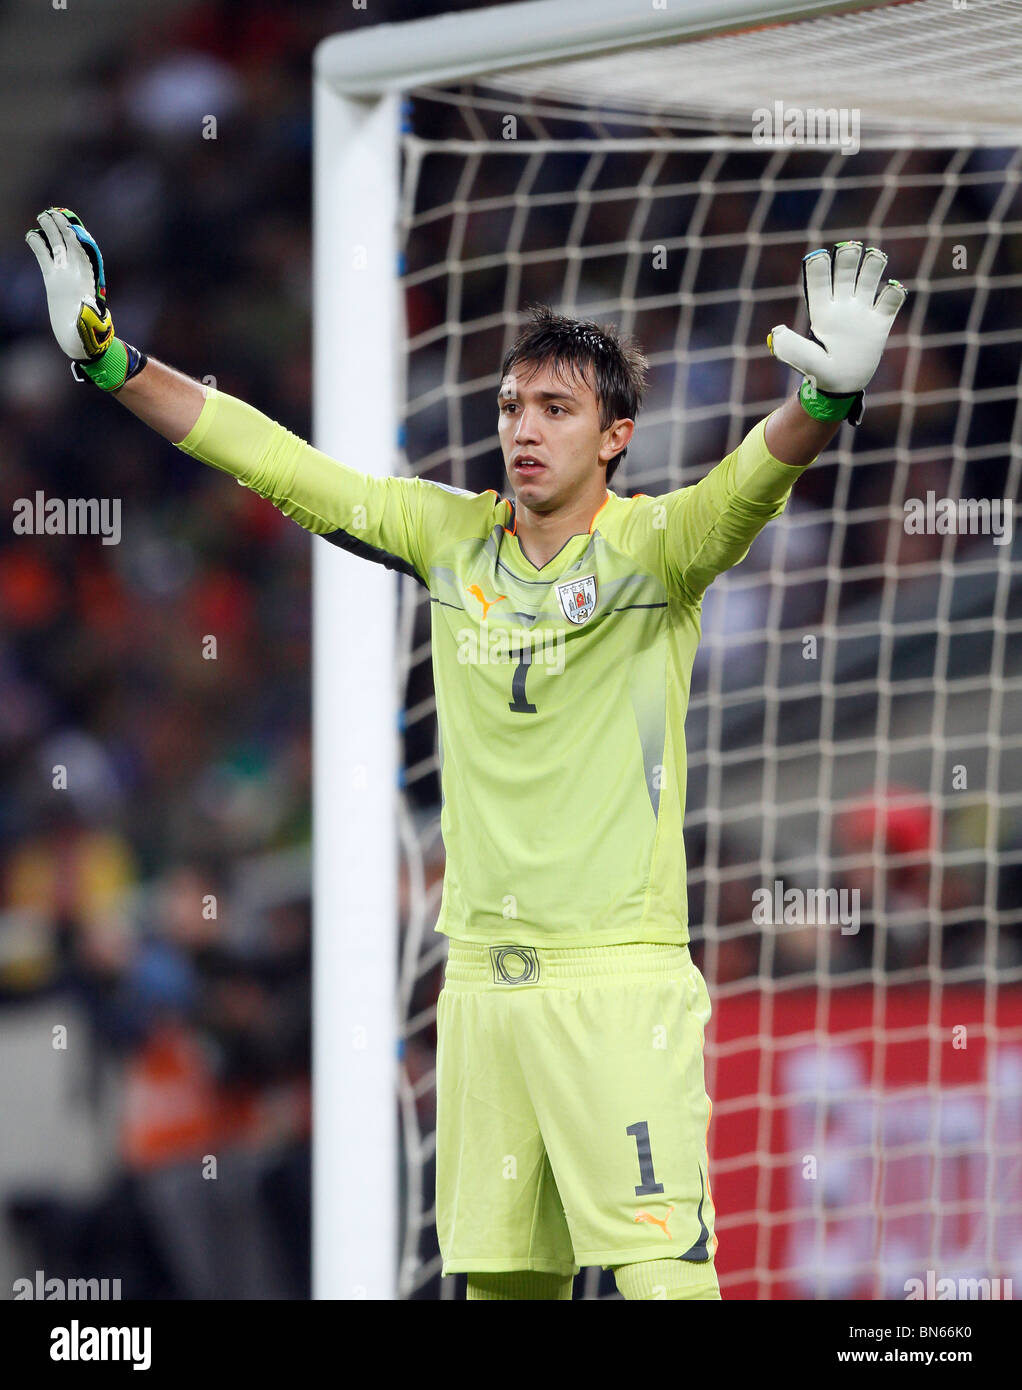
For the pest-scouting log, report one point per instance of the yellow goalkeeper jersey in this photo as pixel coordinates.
(561, 692)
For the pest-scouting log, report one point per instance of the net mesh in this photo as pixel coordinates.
(855, 720)
(915, 65)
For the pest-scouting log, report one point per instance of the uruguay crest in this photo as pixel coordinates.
(578, 599)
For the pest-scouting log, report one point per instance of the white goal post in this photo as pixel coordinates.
(561, 47)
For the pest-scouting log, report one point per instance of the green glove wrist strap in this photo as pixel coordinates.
(117, 365)
(823, 405)
(111, 370)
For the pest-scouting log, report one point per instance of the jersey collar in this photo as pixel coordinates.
(512, 529)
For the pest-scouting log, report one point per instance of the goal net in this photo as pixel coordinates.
(855, 727)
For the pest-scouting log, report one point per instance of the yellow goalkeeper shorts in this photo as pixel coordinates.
(572, 1113)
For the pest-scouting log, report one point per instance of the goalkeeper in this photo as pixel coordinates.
(572, 1115)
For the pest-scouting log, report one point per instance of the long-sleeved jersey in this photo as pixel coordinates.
(561, 691)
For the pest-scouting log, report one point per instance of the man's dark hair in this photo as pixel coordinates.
(618, 366)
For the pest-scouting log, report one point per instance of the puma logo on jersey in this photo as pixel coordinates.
(476, 592)
(655, 1220)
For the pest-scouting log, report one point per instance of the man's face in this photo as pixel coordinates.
(554, 420)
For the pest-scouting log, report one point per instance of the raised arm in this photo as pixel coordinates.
(394, 521)
(75, 281)
(848, 326)
(795, 437)
(712, 524)
(165, 399)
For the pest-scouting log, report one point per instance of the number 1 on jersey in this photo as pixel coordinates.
(520, 705)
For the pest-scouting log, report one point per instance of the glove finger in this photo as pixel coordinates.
(78, 230)
(40, 248)
(873, 263)
(846, 266)
(74, 251)
(816, 280)
(891, 299)
(54, 238)
(796, 351)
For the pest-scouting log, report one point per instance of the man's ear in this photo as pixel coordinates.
(616, 438)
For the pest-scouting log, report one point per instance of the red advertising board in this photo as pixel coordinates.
(863, 1139)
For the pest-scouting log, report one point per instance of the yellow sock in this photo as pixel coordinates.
(520, 1283)
(668, 1279)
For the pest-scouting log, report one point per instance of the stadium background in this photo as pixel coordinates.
(190, 1036)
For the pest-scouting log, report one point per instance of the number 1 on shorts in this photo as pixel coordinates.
(640, 1133)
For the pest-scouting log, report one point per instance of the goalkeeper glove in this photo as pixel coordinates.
(847, 329)
(75, 284)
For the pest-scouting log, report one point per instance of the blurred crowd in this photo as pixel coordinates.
(127, 898)
(119, 888)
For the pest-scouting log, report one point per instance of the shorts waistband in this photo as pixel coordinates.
(510, 965)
